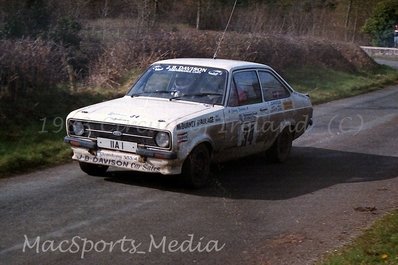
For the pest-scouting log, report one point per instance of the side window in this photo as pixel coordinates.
(272, 88)
(233, 96)
(245, 89)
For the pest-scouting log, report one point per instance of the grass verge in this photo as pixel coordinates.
(36, 146)
(325, 85)
(33, 139)
(378, 245)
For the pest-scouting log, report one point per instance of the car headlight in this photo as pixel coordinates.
(78, 128)
(162, 139)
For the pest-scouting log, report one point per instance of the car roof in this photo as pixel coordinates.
(216, 63)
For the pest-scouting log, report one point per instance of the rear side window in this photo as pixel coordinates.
(245, 89)
(272, 88)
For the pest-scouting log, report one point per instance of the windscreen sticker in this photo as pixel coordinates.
(215, 72)
(158, 68)
(186, 69)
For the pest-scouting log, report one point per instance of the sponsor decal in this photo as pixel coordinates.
(276, 106)
(133, 164)
(246, 117)
(186, 125)
(204, 121)
(115, 156)
(117, 119)
(197, 123)
(116, 114)
(288, 104)
(186, 69)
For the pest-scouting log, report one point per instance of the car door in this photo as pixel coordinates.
(244, 114)
(277, 97)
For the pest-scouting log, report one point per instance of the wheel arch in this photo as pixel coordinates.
(289, 124)
(206, 142)
(196, 166)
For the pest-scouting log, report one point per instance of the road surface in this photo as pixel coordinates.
(342, 175)
(390, 62)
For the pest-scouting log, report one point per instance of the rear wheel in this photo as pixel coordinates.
(281, 148)
(92, 169)
(196, 168)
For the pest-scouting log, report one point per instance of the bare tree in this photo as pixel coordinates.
(198, 13)
(347, 19)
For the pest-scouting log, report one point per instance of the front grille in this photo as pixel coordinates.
(141, 136)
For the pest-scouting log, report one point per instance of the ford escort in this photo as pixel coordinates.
(182, 115)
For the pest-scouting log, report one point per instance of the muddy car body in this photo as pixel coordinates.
(183, 114)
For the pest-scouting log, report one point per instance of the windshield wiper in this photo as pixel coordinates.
(152, 92)
(195, 95)
(160, 91)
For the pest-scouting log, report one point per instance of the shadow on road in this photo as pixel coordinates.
(307, 170)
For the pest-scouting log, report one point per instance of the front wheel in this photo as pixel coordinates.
(196, 168)
(93, 169)
(281, 148)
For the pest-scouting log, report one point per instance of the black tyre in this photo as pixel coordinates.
(92, 169)
(280, 149)
(196, 168)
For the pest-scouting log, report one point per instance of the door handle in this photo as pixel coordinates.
(263, 109)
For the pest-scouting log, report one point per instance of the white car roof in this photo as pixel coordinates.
(216, 63)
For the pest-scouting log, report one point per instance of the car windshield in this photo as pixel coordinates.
(182, 82)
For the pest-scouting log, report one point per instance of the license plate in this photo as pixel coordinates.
(117, 145)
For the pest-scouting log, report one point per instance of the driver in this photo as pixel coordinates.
(183, 83)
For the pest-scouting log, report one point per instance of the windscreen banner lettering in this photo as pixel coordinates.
(186, 69)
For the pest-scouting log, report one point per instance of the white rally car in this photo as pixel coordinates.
(184, 114)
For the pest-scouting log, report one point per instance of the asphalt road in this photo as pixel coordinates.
(342, 175)
(386, 61)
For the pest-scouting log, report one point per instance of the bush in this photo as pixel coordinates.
(380, 26)
(26, 18)
(66, 32)
(119, 58)
(30, 70)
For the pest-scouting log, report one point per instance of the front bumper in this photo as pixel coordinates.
(91, 145)
(144, 160)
